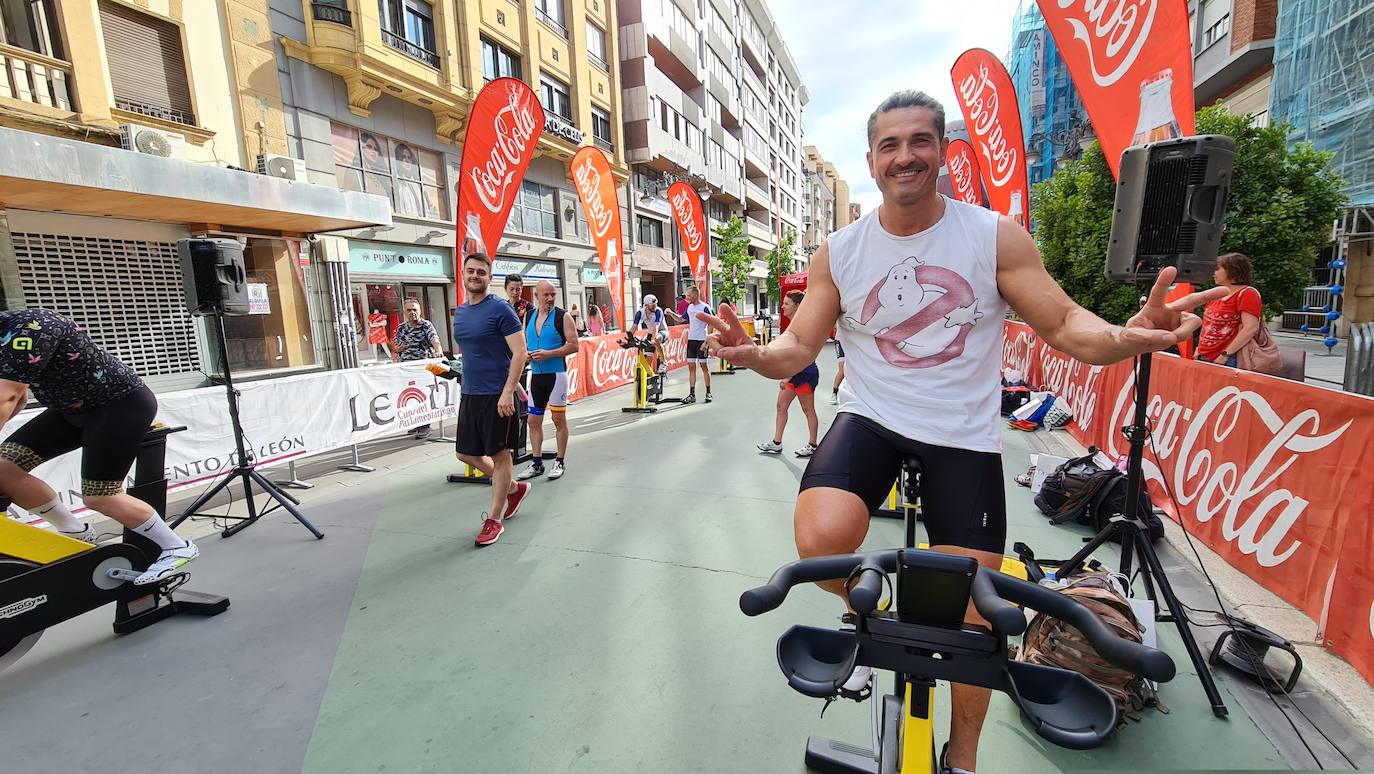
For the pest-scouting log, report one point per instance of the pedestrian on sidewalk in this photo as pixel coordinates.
(551, 337)
(802, 387)
(486, 331)
(416, 339)
(594, 324)
(696, 344)
(1234, 323)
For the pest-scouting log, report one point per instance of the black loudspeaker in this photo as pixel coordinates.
(1170, 204)
(213, 276)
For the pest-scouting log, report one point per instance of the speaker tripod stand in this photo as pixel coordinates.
(244, 468)
(1135, 539)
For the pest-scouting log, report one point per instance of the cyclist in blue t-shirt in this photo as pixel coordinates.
(487, 333)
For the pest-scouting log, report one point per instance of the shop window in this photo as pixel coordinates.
(407, 175)
(280, 337)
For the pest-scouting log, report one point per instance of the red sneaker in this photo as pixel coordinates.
(491, 532)
(514, 499)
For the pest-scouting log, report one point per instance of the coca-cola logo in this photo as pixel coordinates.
(588, 181)
(982, 105)
(961, 172)
(685, 213)
(1214, 483)
(610, 365)
(516, 128)
(1113, 33)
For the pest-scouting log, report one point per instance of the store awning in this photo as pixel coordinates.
(39, 172)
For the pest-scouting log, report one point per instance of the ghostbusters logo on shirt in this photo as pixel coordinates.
(919, 315)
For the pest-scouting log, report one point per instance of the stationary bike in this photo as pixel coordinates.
(648, 393)
(47, 578)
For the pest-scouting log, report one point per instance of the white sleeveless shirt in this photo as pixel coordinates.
(921, 325)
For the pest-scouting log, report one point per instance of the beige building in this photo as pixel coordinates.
(125, 127)
(826, 206)
(713, 97)
(376, 95)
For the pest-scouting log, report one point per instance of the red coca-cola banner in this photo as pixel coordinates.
(591, 172)
(1271, 474)
(691, 224)
(503, 131)
(964, 176)
(988, 101)
(1132, 61)
(601, 364)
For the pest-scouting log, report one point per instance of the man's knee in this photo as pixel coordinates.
(560, 419)
(829, 521)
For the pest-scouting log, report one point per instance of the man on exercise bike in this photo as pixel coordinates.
(919, 288)
(94, 403)
(650, 320)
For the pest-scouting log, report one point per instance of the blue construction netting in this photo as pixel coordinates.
(1324, 84)
(1047, 122)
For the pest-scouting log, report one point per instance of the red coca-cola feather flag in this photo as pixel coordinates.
(1132, 63)
(591, 173)
(964, 176)
(691, 224)
(988, 101)
(503, 131)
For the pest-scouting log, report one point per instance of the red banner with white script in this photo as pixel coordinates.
(964, 176)
(503, 130)
(591, 173)
(1267, 472)
(789, 283)
(601, 364)
(1132, 62)
(691, 224)
(988, 101)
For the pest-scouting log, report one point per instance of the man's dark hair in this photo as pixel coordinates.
(908, 99)
(796, 296)
(512, 278)
(478, 257)
(1238, 268)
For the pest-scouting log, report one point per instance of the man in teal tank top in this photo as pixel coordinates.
(551, 335)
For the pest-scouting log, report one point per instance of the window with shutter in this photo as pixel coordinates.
(147, 66)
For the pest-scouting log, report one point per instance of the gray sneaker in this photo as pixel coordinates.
(169, 563)
(806, 451)
(769, 447)
(533, 471)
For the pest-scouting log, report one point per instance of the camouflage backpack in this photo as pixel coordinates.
(1051, 642)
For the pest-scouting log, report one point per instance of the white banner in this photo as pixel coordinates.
(283, 419)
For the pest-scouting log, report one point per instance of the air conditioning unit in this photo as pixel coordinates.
(153, 142)
(284, 167)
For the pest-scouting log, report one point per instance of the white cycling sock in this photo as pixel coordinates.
(156, 530)
(59, 515)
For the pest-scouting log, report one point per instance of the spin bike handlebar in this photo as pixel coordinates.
(643, 344)
(993, 594)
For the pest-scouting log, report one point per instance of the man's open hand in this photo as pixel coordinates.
(1159, 325)
(729, 339)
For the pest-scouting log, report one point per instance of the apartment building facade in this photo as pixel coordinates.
(712, 97)
(122, 130)
(376, 95)
(825, 207)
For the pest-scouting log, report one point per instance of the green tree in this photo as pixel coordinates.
(734, 259)
(1282, 201)
(780, 263)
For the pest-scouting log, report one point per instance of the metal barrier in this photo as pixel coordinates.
(1359, 359)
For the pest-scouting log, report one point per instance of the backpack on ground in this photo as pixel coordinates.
(1051, 642)
(1066, 481)
(1080, 492)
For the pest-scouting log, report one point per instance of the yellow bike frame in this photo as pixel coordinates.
(35, 544)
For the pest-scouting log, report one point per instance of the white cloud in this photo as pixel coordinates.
(853, 54)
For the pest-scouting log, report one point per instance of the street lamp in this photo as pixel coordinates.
(1065, 143)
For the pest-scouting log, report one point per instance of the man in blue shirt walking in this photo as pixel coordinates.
(551, 336)
(487, 333)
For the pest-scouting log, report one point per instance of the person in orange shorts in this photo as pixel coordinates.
(802, 387)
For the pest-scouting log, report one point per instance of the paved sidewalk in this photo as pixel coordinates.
(601, 634)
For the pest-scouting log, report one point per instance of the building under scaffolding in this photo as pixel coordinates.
(1324, 88)
(1053, 119)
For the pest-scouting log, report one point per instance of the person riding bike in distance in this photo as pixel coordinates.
(919, 287)
(94, 403)
(651, 319)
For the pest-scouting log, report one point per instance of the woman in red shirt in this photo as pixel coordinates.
(1227, 324)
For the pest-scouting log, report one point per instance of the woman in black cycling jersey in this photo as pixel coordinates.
(94, 403)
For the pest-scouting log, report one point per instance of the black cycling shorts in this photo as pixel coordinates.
(962, 499)
(482, 431)
(109, 437)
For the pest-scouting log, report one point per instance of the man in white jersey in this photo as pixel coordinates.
(919, 288)
(650, 320)
(696, 345)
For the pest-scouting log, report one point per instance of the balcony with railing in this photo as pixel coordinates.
(552, 23)
(34, 78)
(331, 11)
(756, 193)
(757, 229)
(604, 144)
(410, 49)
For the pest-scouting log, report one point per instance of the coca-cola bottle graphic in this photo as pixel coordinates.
(1157, 121)
(1017, 212)
(472, 236)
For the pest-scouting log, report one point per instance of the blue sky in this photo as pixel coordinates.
(853, 53)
